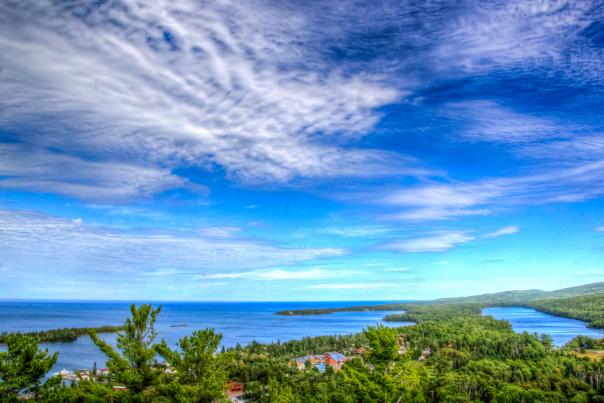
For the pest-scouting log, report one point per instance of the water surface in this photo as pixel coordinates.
(238, 322)
(561, 330)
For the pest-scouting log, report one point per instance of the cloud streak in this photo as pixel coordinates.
(220, 86)
(439, 241)
(278, 275)
(509, 230)
(33, 241)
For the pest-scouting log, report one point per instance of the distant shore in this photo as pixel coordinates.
(585, 303)
(61, 335)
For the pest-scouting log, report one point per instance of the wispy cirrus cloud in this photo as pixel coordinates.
(509, 230)
(485, 120)
(348, 286)
(33, 241)
(396, 269)
(172, 85)
(519, 35)
(358, 231)
(36, 170)
(439, 241)
(279, 274)
(456, 199)
(440, 201)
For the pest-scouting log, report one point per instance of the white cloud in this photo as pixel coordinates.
(396, 269)
(509, 230)
(175, 84)
(436, 242)
(363, 231)
(599, 229)
(32, 169)
(164, 273)
(348, 286)
(526, 35)
(220, 232)
(443, 201)
(34, 242)
(279, 274)
(485, 120)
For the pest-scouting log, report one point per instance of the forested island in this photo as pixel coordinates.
(452, 353)
(59, 335)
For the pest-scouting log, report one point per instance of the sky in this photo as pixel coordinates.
(299, 150)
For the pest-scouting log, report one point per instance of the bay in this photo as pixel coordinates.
(239, 322)
(562, 330)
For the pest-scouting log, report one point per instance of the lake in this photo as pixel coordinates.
(237, 321)
(562, 330)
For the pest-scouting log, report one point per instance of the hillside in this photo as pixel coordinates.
(524, 296)
(589, 308)
(584, 302)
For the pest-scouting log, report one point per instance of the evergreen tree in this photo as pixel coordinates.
(134, 366)
(22, 366)
(200, 374)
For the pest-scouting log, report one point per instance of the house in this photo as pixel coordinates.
(314, 360)
(67, 375)
(83, 374)
(426, 352)
(299, 362)
(319, 361)
(335, 360)
(235, 391)
(234, 386)
(403, 345)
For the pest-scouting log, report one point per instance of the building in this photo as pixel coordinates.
(426, 352)
(319, 361)
(235, 391)
(314, 360)
(335, 359)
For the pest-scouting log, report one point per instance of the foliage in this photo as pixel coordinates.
(22, 366)
(134, 366)
(383, 344)
(589, 308)
(200, 374)
(451, 354)
(61, 335)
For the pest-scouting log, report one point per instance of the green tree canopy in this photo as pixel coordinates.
(22, 366)
(134, 366)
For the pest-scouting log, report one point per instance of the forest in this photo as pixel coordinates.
(584, 302)
(60, 335)
(451, 354)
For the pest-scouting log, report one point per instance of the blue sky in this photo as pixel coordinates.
(277, 150)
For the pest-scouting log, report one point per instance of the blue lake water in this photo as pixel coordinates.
(562, 330)
(238, 323)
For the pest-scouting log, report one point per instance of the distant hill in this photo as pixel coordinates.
(524, 296)
(538, 299)
(585, 289)
(504, 297)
